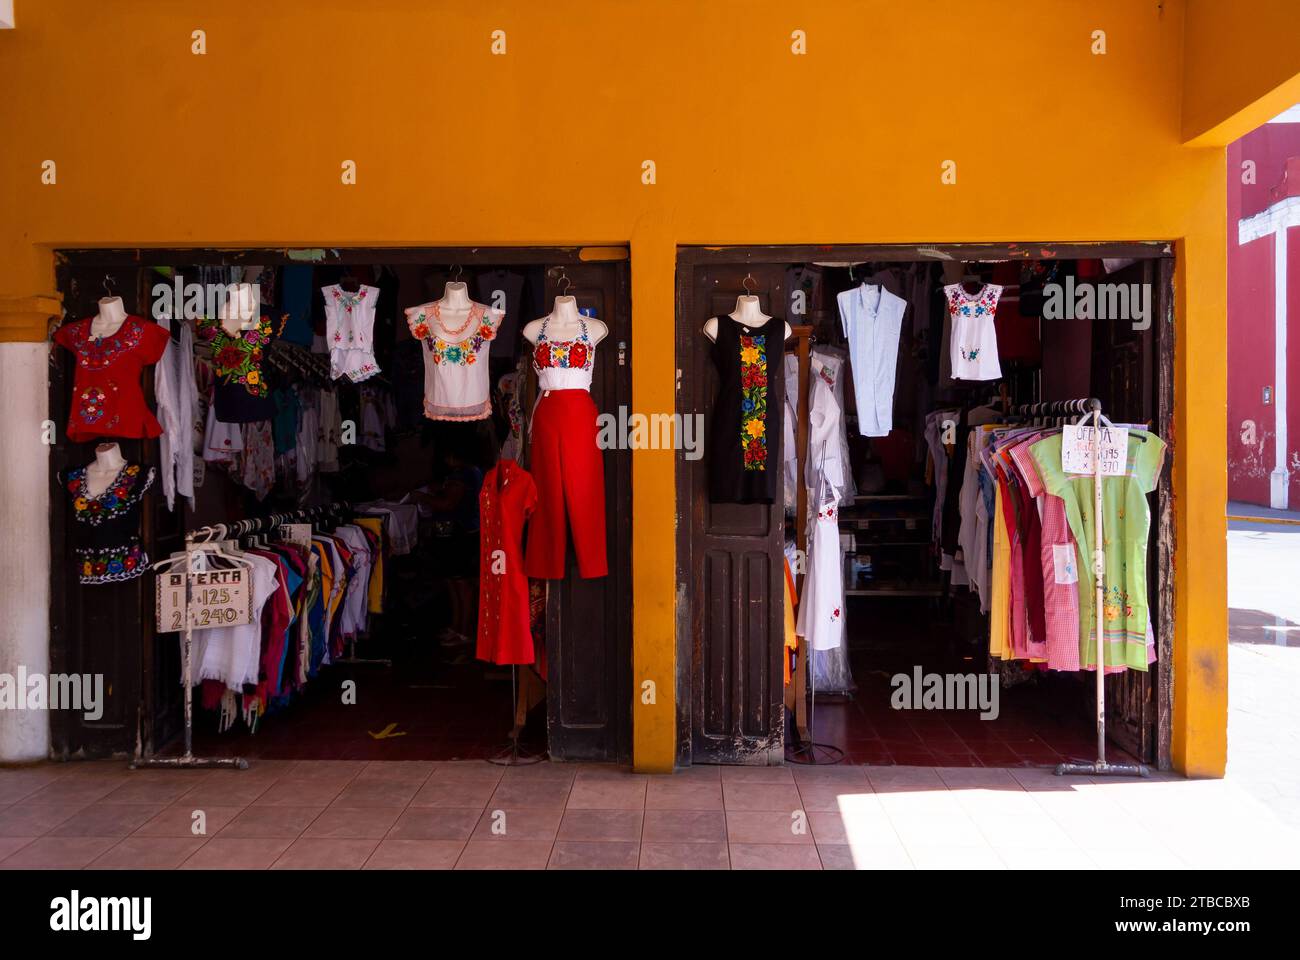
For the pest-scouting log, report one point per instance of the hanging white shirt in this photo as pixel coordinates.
(821, 602)
(231, 654)
(872, 319)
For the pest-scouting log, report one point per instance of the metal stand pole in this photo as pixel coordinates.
(1100, 767)
(513, 755)
(188, 760)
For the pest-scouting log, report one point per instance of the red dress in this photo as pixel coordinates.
(507, 499)
(107, 400)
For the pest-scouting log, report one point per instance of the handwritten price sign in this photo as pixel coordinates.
(1076, 450)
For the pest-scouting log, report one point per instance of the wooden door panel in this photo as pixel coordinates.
(729, 555)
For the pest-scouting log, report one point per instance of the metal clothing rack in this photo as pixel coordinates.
(1100, 766)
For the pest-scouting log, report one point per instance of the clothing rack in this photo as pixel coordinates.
(1098, 767)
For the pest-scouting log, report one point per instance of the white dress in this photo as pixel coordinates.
(821, 602)
(349, 331)
(974, 341)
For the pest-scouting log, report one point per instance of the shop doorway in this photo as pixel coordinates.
(902, 611)
(426, 696)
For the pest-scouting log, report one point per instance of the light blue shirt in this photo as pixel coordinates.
(872, 319)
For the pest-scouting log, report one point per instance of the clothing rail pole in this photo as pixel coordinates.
(1100, 766)
(188, 760)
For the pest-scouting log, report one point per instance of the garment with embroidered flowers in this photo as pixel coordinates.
(746, 432)
(106, 527)
(974, 337)
(107, 400)
(456, 381)
(349, 331)
(242, 394)
(821, 602)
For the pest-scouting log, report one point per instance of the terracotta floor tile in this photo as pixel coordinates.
(675, 793)
(502, 825)
(774, 856)
(332, 770)
(766, 827)
(313, 853)
(927, 857)
(30, 819)
(157, 786)
(604, 825)
(237, 853)
(732, 775)
(864, 856)
(540, 771)
(377, 793)
(178, 820)
(595, 855)
(82, 790)
(685, 856)
(270, 822)
(831, 796)
(513, 855)
(107, 820)
(474, 770)
(148, 853)
(405, 771)
(9, 845)
(17, 784)
(438, 792)
(436, 823)
(541, 793)
(230, 790)
(318, 792)
(760, 796)
(394, 854)
(685, 826)
(604, 794)
(57, 853)
(353, 823)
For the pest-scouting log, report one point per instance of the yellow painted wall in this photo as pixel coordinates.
(544, 145)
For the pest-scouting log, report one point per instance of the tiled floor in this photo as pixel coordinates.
(472, 815)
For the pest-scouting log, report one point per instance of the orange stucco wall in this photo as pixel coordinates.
(752, 143)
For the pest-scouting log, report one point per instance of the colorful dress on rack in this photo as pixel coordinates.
(745, 463)
(456, 381)
(506, 501)
(106, 534)
(241, 392)
(107, 400)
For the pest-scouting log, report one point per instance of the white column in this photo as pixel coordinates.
(25, 548)
(1280, 479)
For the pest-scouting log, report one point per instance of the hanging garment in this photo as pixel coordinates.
(258, 466)
(1126, 523)
(107, 400)
(222, 442)
(177, 396)
(821, 604)
(106, 531)
(375, 529)
(789, 631)
(456, 381)
(974, 342)
(508, 388)
(872, 319)
(744, 443)
(789, 445)
(567, 464)
(330, 431)
(242, 394)
(828, 362)
(506, 501)
(349, 331)
(231, 654)
(356, 599)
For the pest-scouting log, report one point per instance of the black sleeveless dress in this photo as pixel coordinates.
(745, 436)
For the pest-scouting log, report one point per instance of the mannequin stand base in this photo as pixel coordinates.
(810, 753)
(516, 756)
(1100, 768)
(189, 762)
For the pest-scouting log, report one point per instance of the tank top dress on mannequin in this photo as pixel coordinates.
(565, 460)
(745, 436)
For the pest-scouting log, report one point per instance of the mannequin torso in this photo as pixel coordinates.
(110, 318)
(565, 323)
(108, 463)
(450, 315)
(746, 314)
(242, 310)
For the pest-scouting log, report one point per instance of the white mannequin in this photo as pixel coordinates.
(108, 463)
(242, 309)
(566, 324)
(746, 314)
(453, 311)
(110, 318)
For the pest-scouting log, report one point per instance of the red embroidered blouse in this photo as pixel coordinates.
(107, 400)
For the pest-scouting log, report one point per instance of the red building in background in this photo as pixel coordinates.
(1264, 315)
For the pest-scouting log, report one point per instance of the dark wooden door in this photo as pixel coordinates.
(729, 555)
(1125, 382)
(589, 622)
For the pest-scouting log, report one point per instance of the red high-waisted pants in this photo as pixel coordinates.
(569, 470)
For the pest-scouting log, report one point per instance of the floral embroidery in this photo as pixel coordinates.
(349, 300)
(238, 359)
(563, 354)
(110, 564)
(121, 495)
(93, 403)
(96, 353)
(1116, 605)
(753, 400)
(464, 352)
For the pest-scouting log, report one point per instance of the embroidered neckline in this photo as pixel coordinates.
(462, 352)
(238, 358)
(96, 353)
(124, 492)
(348, 300)
(576, 354)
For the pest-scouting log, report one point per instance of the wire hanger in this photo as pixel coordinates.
(749, 279)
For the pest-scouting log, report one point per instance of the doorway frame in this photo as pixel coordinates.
(1160, 253)
(73, 258)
